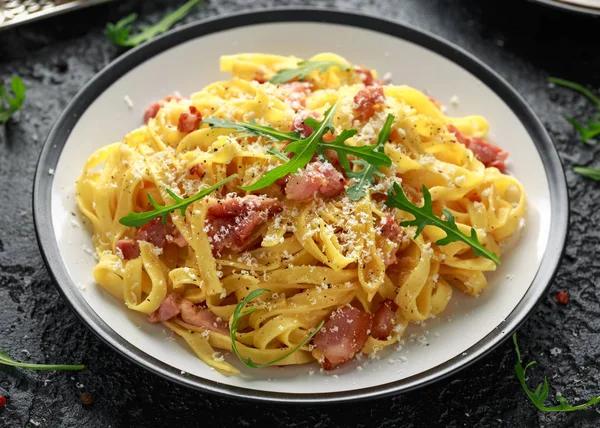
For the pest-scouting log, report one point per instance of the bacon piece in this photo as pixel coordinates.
(197, 171)
(152, 109)
(487, 153)
(390, 228)
(169, 308)
(435, 102)
(129, 249)
(193, 315)
(174, 305)
(317, 177)
(177, 239)
(343, 335)
(189, 122)
(238, 206)
(295, 93)
(383, 321)
(155, 232)
(332, 157)
(306, 131)
(299, 125)
(367, 101)
(232, 221)
(365, 75)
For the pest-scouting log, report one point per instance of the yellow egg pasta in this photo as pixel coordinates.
(315, 255)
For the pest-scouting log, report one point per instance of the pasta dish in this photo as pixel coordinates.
(300, 211)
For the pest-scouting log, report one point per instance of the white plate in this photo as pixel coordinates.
(588, 7)
(188, 59)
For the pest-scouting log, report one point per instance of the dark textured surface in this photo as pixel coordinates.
(524, 42)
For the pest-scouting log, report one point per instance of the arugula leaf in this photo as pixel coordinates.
(253, 129)
(303, 152)
(304, 69)
(593, 173)
(120, 33)
(540, 395)
(14, 103)
(588, 133)
(181, 204)
(6, 360)
(577, 87)
(278, 154)
(235, 324)
(305, 148)
(424, 216)
(368, 153)
(593, 128)
(366, 176)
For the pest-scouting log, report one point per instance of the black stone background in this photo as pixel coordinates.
(524, 42)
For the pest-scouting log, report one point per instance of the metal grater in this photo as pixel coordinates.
(14, 12)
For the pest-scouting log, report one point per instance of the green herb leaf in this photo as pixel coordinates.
(253, 129)
(181, 204)
(588, 133)
(367, 153)
(303, 151)
(120, 33)
(540, 395)
(6, 360)
(9, 105)
(235, 324)
(593, 128)
(593, 173)
(577, 87)
(304, 69)
(278, 154)
(305, 148)
(424, 216)
(366, 176)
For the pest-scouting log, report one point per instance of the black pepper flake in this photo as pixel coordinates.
(62, 65)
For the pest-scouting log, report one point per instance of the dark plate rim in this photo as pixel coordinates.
(569, 7)
(59, 134)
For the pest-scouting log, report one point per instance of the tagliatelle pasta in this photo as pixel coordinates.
(325, 254)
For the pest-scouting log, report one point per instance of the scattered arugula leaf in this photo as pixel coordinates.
(593, 173)
(424, 216)
(120, 33)
(366, 176)
(577, 87)
(6, 360)
(235, 324)
(540, 395)
(9, 105)
(253, 129)
(181, 204)
(304, 69)
(591, 128)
